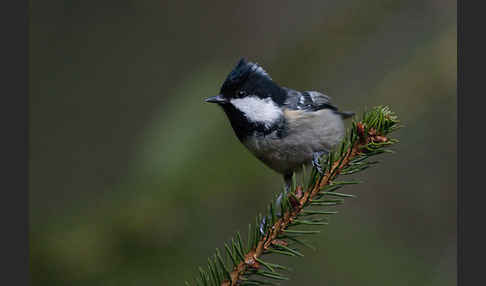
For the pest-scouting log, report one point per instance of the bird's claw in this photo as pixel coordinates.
(315, 161)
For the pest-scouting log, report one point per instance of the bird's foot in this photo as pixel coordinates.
(278, 212)
(262, 225)
(288, 182)
(316, 156)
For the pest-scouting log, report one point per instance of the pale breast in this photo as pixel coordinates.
(307, 132)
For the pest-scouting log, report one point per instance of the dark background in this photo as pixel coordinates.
(135, 181)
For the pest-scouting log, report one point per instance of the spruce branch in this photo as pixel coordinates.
(275, 232)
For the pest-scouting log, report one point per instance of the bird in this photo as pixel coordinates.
(282, 127)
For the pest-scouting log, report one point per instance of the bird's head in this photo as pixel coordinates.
(247, 79)
(249, 96)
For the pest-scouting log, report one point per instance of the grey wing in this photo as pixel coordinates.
(311, 101)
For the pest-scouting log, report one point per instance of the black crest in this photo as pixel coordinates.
(241, 73)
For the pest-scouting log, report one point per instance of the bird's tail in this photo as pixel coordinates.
(346, 114)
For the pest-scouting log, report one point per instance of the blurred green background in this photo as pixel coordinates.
(135, 181)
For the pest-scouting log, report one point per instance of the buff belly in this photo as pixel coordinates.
(307, 132)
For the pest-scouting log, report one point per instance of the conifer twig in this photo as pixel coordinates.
(271, 233)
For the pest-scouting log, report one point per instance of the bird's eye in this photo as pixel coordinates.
(241, 93)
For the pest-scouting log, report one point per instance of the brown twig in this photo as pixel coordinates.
(250, 261)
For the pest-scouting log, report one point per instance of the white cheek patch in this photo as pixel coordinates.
(258, 110)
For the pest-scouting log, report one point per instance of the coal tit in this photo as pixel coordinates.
(282, 127)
